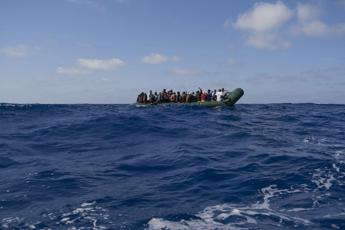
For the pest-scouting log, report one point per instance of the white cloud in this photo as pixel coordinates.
(310, 24)
(87, 66)
(270, 41)
(311, 28)
(185, 72)
(71, 71)
(99, 64)
(16, 51)
(263, 22)
(306, 12)
(156, 58)
(318, 28)
(263, 17)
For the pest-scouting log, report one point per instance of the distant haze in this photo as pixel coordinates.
(107, 51)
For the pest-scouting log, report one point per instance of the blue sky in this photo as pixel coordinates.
(106, 51)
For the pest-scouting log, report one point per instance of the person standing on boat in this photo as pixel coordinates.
(219, 95)
(214, 95)
(178, 96)
(155, 98)
(202, 95)
(197, 95)
(225, 94)
(209, 95)
(160, 97)
(184, 97)
(189, 98)
(165, 96)
(151, 97)
(140, 98)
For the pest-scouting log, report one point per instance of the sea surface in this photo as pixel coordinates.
(273, 166)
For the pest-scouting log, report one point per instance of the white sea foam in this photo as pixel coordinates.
(87, 216)
(232, 216)
(312, 140)
(340, 156)
(323, 179)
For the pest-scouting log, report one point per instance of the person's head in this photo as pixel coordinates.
(155, 93)
(219, 90)
(208, 91)
(222, 89)
(164, 90)
(215, 90)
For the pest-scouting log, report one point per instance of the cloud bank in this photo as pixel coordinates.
(264, 24)
(87, 66)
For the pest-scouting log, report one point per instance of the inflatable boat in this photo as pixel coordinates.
(231, 99)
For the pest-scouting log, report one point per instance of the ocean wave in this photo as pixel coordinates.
(274, 166)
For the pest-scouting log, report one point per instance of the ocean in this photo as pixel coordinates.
(264, 166)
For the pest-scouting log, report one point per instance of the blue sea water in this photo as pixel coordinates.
(275, 166)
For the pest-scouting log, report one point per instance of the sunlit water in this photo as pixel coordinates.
(278, 166)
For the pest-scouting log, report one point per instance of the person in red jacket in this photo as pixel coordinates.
(203, 95)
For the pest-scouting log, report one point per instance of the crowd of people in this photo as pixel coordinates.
(170, 96)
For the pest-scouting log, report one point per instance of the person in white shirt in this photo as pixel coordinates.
(219, 95)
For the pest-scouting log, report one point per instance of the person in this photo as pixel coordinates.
(151, 97)
(194, 97)
(160, 97)
(214, 95)
(202, 95)
(184, 97)
(219, 95)
(178, 96)
(140, 98)
(155, 97)
(209, 95)
(189, 98)
(165, 96)
(197, 95)
(144, 98)
(172, 97)
(224, 94)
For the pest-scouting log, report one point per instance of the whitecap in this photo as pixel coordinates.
(232, 216)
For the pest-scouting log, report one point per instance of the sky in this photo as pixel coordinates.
(107, 51)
